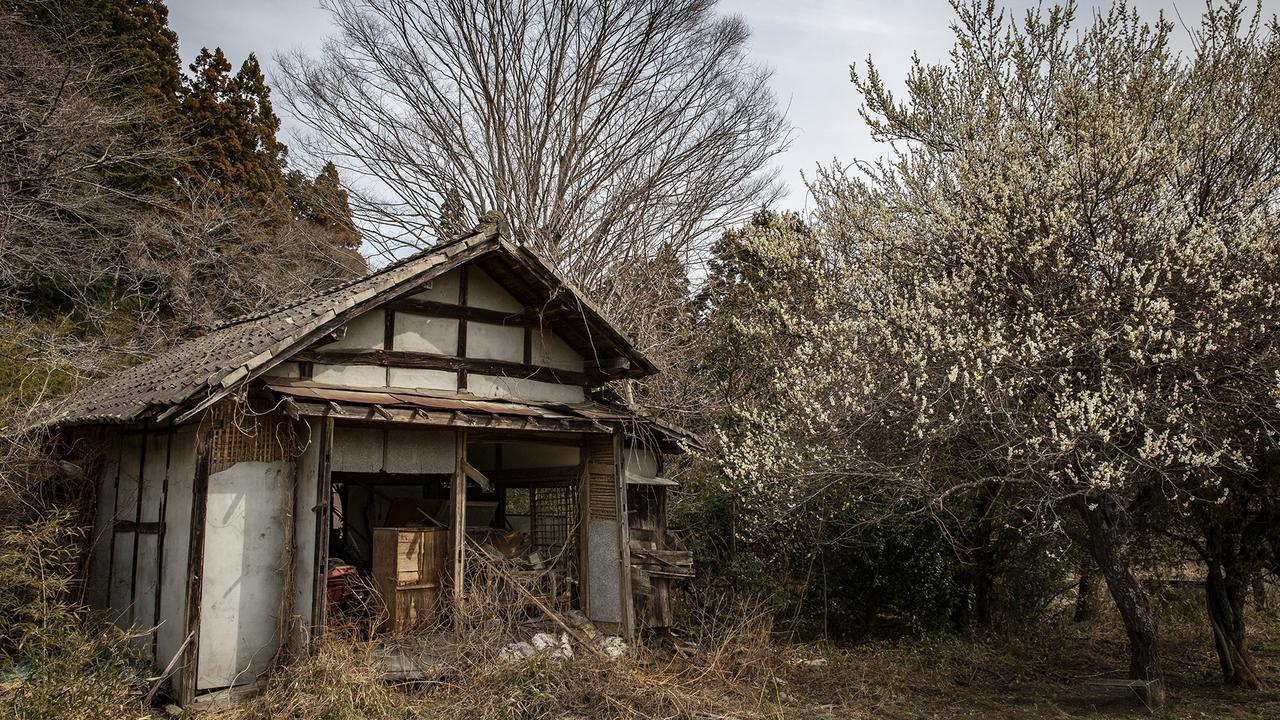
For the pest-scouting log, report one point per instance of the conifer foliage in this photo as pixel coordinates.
(232, 130)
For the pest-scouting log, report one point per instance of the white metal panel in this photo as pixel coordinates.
(442, 289)
(363, 332)
(243, 585)
(519, 388)
(551, 350)
(98, 592)
(177, 539)
(604, 561)
(285, 370)
(484, 292)
(350, 375)
(357, 449)
(422, 378)
(421, 333)
(495, 342)
(642, 461)
(121, 597)
(304, 535)
(419, 451)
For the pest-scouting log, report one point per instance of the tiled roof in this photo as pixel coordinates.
(207, 367)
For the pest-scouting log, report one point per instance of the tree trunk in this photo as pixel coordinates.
(962, 611)
(984, 597)
(1086, 595)
(1225, 593)
(1108, 543)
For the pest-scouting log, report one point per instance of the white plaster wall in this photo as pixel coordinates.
(364, 332)
(177, 538)
(523, 389)
(420, 333)
(419, 451)
(484, 292)
(357, 449)
(550, 350)
(242, 596)
(422, 378)
(443, 289)
(350, 375)
(495, 342)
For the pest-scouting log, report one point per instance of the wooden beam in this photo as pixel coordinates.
(458, 529)
(418, 416)
(432, 308)
(385, 478)
(560, 473)
(434, 361)
(477, 477)
(143, 528)
(195, 564)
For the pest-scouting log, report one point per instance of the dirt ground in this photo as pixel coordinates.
(1041, 673)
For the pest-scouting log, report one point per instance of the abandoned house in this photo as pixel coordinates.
(396, 427)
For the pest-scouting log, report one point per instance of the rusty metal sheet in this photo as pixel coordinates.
(353, 396)
(339, 395)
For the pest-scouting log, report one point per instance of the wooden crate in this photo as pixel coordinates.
(408, 572)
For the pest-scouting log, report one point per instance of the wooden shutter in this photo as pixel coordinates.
(602, 492)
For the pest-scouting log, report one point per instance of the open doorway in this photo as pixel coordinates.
(392, 519)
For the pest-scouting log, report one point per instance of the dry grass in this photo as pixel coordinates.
(741, 673)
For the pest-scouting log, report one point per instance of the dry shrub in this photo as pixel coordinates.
(56, 660)
(732, 675)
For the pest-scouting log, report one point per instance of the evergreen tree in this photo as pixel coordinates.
(141, 55)
(233, 133)
(324, 202)
(133, 34)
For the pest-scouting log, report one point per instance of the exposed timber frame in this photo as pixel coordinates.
(462, 365)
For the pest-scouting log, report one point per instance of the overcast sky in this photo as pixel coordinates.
(809, 45)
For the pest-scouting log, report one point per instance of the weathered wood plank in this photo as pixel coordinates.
(433, 361)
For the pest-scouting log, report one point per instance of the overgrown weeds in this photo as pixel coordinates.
(466, 675)
(56, 660)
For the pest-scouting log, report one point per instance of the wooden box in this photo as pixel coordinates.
(408, 572)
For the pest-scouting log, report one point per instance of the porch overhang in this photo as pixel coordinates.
(395, 405)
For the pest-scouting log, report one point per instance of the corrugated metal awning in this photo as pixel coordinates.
(634, 479)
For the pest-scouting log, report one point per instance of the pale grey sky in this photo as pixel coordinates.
(809, 44)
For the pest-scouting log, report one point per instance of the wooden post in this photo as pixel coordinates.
(320, 561)
(584, 522)
(195, 564)
(624, 536)
(459, 524)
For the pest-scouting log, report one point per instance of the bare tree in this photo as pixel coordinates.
(603, 129)
(62, 135)
(132, 266)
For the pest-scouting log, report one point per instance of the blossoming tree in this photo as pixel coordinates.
(1060, 285)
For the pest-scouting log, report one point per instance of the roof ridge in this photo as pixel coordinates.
(342, 285)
